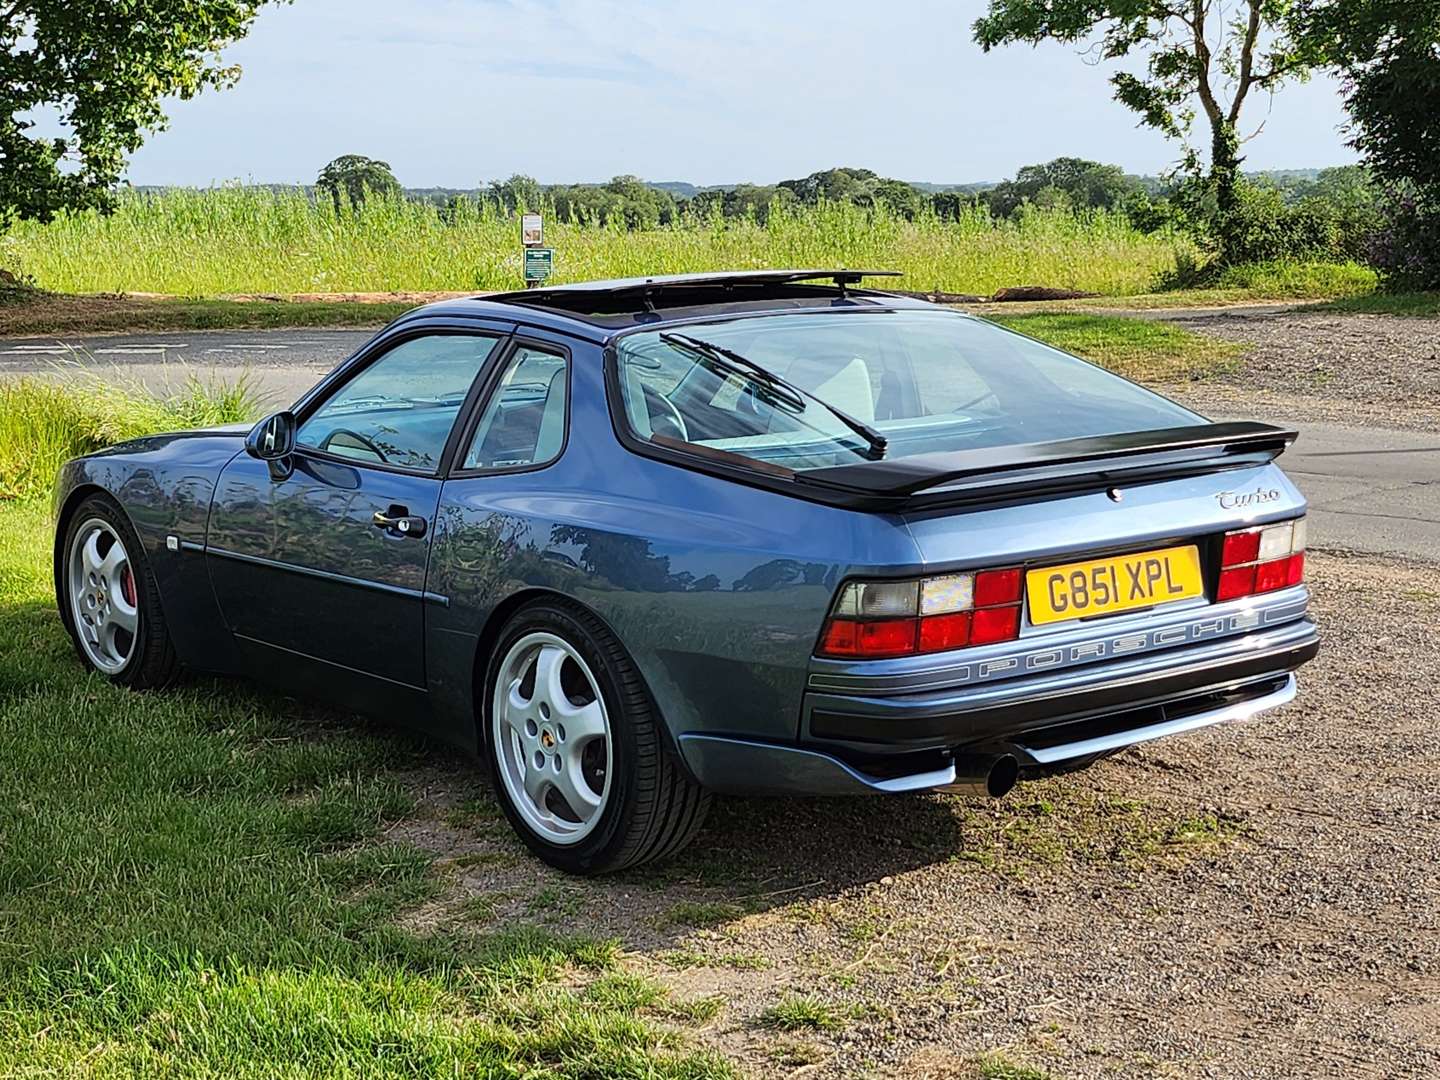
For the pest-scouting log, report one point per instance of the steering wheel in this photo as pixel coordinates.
(364, 443)
(654, 398)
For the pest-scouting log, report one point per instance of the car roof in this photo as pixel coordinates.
(599, 310)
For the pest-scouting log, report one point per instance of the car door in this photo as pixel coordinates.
(319, 567)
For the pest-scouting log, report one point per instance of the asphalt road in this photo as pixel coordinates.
(284, 363)
(1370, 489)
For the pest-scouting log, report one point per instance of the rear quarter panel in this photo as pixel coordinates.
(717, 590)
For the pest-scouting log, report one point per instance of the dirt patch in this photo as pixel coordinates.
(1258, 900)
(1347, 368)
(349, 297)
(29, 312)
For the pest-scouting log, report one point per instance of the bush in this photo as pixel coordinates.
(1406, 246)
(1329, 219)
(1267, 229)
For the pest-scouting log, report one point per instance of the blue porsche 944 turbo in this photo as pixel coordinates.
(634, 542)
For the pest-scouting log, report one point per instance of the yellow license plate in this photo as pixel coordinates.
(1101, 586)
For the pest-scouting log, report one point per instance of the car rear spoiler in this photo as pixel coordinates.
(1055, 467)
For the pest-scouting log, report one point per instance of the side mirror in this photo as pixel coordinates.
(273, 438)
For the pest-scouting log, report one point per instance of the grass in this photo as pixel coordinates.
(45, 422)
(997, 1066)
(1286, 280)
(248, 240)
(1142, 349)
(801, 1013)
(1052, 824)
(197, 884)
(34, 313)
(1255, 283)
(1415, 303)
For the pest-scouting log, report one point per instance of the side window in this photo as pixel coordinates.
(524, 420)
(400, 409)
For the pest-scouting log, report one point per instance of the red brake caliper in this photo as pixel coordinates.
(127, 586)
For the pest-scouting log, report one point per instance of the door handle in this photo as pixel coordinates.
(399, 520)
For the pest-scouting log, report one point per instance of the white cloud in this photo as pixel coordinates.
(461, 91)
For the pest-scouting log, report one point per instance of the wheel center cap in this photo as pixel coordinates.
(547, 739)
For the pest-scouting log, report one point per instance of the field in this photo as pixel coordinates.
(251, 241)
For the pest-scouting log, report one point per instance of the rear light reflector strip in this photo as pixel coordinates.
(1262, 560)
(879, 619)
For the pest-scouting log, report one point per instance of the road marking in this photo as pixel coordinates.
(247, 345)
(135, 350)
(1388, 450)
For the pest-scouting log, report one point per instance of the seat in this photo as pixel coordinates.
(849, 390)
(551, 436)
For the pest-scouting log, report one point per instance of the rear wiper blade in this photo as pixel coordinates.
(781, 388)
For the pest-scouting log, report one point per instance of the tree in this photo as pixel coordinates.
(357, 176)
(1193, 51)
(751, 200)
(859, 186)
(1087, 184)
(516, 195)
(104, 68)
(953, 205)
(626, 200)
(833, 185)
(644, 207)
(897, 196)
(1388, 55)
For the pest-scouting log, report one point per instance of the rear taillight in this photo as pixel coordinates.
(1262, 560)
(877, 619)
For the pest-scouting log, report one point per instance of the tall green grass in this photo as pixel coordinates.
(247, 240)
(46, 421)
(1285, 279)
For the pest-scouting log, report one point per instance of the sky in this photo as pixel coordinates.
(455, 93)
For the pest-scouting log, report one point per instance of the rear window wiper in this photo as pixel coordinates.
(778, 387)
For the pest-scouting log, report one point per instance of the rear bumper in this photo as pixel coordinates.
(905, 733)
(1005, 712)
(743, 767)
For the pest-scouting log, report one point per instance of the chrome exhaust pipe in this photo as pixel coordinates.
(984, 774)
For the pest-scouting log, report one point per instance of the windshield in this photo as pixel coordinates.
(928, 381)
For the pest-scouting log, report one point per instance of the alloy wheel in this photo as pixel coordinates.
(552, 738)
(103, 599)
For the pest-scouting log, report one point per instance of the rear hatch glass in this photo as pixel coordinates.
(925, 381)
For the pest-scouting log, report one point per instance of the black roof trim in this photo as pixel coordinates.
(592, 300)
(720, 278)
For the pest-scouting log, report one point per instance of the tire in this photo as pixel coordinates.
(149, 661)
(648, 807)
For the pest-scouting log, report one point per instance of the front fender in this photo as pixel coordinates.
(164, 485)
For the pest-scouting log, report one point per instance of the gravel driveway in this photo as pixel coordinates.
(1261, 900)
(1382, 369)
